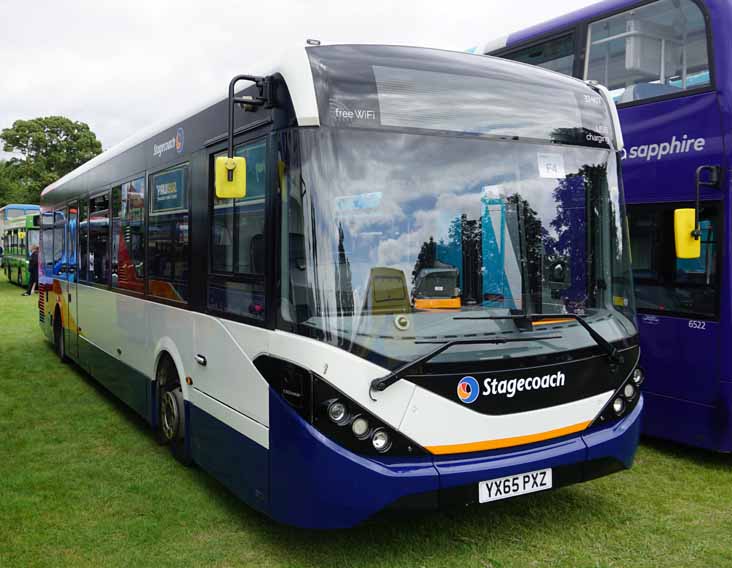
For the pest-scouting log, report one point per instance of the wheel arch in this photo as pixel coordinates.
(167, 348)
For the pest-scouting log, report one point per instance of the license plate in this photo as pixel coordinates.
(505, 487)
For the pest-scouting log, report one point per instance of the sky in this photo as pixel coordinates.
(121, 66)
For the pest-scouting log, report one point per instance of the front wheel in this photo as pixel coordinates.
(171, 412)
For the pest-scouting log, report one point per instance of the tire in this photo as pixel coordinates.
(58, 337)
(171, 430)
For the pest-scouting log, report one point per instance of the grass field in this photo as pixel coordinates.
(82, 483)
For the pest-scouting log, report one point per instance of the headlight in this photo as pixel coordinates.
(337, 412)
(618, 405)
(360, 427)
(629, 391)
(381, 441)
(638, 376)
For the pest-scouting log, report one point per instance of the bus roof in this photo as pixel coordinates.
(23, 206)
(293, 66)
(174, 141)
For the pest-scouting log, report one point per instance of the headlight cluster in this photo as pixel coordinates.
(625, 398)
(333, 413)
(360, 426)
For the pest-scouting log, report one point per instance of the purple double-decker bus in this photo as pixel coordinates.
(666, 65)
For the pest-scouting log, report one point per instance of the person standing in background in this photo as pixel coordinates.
(33, 269)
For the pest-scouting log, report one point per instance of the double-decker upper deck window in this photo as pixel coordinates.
(168, 234)
(654, 50)
(556, 55)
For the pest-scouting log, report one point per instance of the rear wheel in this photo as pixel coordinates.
(171, 411)
(58, 337)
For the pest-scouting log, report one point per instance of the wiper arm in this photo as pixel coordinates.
(525, 321)
(382, 383)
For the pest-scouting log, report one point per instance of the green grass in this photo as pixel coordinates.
(82, 483)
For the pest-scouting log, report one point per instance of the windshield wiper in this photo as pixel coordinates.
(382, 383)
(524, 322)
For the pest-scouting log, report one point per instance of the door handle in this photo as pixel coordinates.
(201, 360)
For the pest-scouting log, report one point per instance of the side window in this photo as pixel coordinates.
(664, 283)
(58, 244)
(556, 55)
(99, 239)
(84, 240)
(116, 232)
(168, 234)
(70, 254)
(47, 243)
(128, 238)
(653, 50)
(236, 283)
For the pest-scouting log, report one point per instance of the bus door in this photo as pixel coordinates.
(72, 271)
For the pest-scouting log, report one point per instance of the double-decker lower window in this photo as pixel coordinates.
(665, 284)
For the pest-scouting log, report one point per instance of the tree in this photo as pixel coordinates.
(49, 148)
(11, 190)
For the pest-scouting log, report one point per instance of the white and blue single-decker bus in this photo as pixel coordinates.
(375, 278)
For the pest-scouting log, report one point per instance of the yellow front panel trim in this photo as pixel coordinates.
(437, 303)
(507, 442)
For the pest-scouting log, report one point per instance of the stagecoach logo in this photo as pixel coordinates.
(176, 142)
(468, 389)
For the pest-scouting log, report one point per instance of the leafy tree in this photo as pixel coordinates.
(49, 148)
(11, 191)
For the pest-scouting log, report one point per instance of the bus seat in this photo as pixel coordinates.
(386, 292)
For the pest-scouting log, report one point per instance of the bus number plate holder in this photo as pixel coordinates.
(513, 485)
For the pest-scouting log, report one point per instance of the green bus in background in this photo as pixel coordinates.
(18, 237)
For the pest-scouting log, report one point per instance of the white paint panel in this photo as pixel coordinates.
(229, 375)
(246, 426)
(433, 420)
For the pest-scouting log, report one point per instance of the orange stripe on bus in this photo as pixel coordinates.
(549, 322)
(506, 442)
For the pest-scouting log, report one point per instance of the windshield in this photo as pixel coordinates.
(394, 241)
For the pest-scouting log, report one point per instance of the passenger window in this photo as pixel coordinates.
(664, 283)
(46, 242)
(236, 284)
(556, 55)
(169, 238)
(116, 232)
(83, 241)
(129, 238)
(58, 244)
(654, 50)
(99, 239)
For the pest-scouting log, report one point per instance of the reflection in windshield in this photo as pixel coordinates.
(380, 224)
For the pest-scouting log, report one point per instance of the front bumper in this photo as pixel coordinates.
(315, 483)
